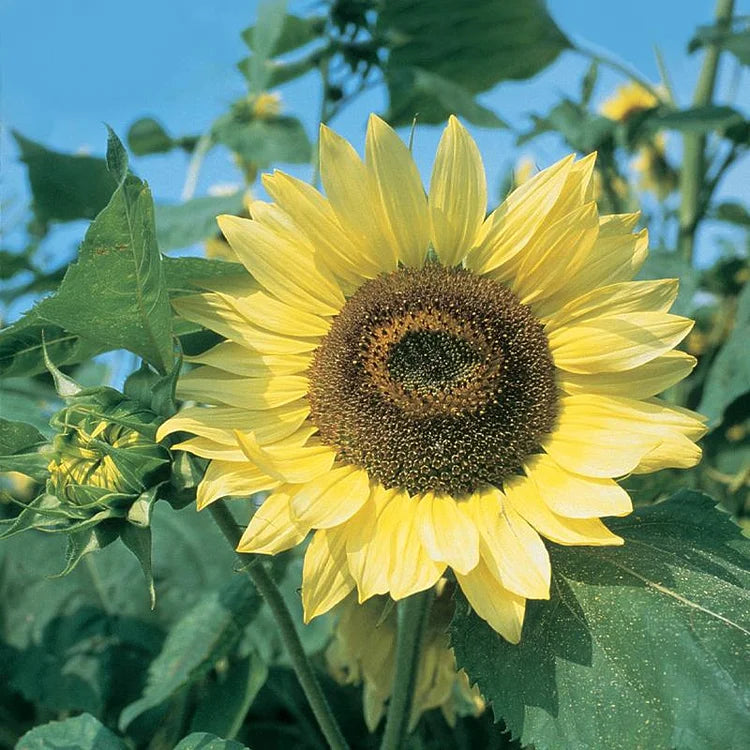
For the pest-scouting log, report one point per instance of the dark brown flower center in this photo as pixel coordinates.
(434, 379)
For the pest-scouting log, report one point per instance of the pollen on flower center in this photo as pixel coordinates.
(434, 379)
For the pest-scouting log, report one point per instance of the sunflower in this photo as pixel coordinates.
(425, 387)
(628, 100)
(363, 650)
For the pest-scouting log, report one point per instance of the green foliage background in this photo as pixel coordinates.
(643, 646)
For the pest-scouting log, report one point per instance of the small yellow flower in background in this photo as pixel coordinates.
(628, 100)
(655, 174)
(425, 387)
(266, 105)
(364, 651)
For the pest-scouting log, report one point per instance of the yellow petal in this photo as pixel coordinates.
(349, 191)
(272, 528)
(510, 548)
(575, 496)
(508, 229)
(458, 194)
(228, 478)
(211, 386)
(284, 269)
(619, 342)
(367, 549)
(410, 568)
(239, 360)
(295, 465)
(325, 577)
(501, 608)
(523, 496)
(615, 299)
(395, 180)
(614, 224)
(218, 423)
(447, 534)
(317, 220)
(675, 451)
(332, 498)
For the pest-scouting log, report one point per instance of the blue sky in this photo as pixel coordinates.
(69, 66)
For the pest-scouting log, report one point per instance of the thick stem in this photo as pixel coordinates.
(694, 145)
(413, 614)
(284, 622)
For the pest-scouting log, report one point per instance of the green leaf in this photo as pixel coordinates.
(736, 41)
(264, 142)
(262, 39)
(729, 376)
(695, 120)
(17, 437)
(191, 222)
(148, 136)
(206, 741)
(223, 706)
(78, 733)
(117, 157)
(190, 275)
(295, 32)
(432, 98)
(65, 187)
(734, 213)
(206, 634)
(115, 293)
(137, 538)
(639, 646)
(29, 400)
(475, 45)
(278, 72)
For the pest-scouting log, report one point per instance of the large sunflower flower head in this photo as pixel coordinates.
(363, 650)
(426, 388)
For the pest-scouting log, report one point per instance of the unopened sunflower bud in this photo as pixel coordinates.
(104, 455)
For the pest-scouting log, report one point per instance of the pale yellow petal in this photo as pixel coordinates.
(332, 498)
(458, 194)
(641, 382)
(211, 386)
(410, 568)
(314, 216)
(396, 181)
(272, 528)
(615, 299)
(325, 576)
(614, 224)
(523, 496)
(218, 423)
(295, 465)
(508, 229)
(349, 191)
(284, 269)
(368, 549)
(228, 478)
(509, 546)
(448, 535)
(501, 608)
(618, 342)
(239, 360)
(573, 495)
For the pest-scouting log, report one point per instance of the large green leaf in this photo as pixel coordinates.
(696, 120)
(16, 437)
(78, 733)
(264, 142)
(729, 376)
(206, 741)
(115, 293)
(196, 643)
(641, 646)
(65, 187)
(187, 223)
(474, 44)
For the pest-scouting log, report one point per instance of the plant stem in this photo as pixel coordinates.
(694, 145)
(413, 614)
(272, 596)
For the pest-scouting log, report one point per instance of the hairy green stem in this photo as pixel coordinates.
(413, 614)
(694, 145)
(284, 622)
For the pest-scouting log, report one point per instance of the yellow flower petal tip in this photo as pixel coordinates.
(425, 386)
